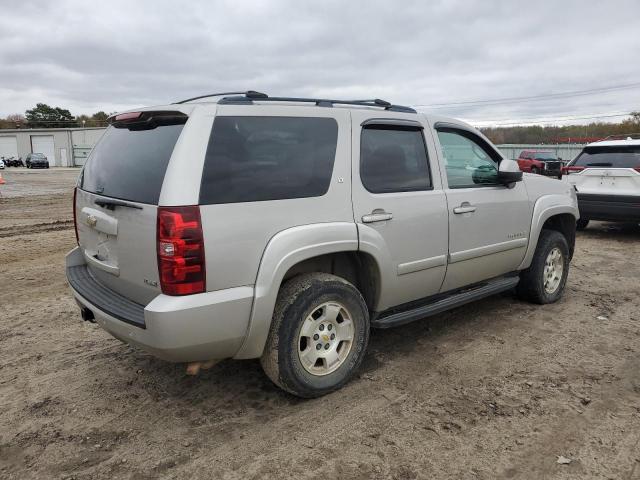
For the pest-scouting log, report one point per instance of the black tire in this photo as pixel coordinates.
(297, 299)
(582, 223)
(531, 286)
(535, 171)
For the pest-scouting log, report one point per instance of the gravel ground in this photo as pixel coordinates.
(494, 390)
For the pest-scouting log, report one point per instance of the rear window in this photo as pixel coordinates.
(252, 159)
(614, 157)
(130, 164)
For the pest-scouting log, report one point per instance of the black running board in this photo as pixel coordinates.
(451, 301)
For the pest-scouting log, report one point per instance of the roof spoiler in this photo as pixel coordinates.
(147, 120)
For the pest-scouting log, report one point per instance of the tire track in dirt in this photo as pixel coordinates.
(35, 228)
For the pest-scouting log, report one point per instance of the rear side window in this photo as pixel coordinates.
(252, 159)
(393, 159)
(130, 164)
(614, 157)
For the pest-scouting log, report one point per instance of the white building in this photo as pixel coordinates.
(63, 147)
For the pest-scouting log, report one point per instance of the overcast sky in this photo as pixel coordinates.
(89, 56)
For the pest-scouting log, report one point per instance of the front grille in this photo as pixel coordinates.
(553, 165)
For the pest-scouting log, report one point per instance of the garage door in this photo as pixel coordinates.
(44, 144)
(8, 147)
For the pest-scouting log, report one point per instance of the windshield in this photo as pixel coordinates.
(37, 155)
(544, 156)
(614, 157)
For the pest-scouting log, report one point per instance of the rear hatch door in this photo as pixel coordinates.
(117, 201)
(608, 170)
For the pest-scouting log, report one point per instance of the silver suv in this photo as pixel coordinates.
(283, 229)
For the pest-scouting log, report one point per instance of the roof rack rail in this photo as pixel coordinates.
(247, 93)
(622, 136)
(321, 102)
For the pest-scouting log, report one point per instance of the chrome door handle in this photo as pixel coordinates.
(465, 207)
(378, 215)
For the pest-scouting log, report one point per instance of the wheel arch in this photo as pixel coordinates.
(554, 212)
(326, 247)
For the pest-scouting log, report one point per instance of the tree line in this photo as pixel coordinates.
(535, 134)
(45, 116)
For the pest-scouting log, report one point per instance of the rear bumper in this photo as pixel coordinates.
(617, 208)
(190, 328)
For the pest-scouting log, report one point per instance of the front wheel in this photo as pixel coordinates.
(544, 281)
(535, 171)
(318, 337)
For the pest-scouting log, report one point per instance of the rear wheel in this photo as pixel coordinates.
(535, 170)
(544, 281)
(582, 223)
(318, 337)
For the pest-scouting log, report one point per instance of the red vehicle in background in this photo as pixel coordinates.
(543, 162)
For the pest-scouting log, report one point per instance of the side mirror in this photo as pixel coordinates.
(509, 172)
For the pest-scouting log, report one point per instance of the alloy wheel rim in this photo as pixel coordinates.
(325, 338)
(553, 269)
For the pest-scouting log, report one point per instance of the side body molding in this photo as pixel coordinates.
(546, 207)
(284, 250)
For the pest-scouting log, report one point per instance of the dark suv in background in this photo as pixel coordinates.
(543, 162)
(37, 160)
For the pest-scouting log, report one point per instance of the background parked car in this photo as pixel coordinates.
(13, 162)
(37, 160)
(1, 164)
(543, 162)
(606, 176)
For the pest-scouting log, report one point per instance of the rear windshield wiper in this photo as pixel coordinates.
(112, 204)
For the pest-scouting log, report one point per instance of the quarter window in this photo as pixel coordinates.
(393, 159)
(468, 160)
(252, 159)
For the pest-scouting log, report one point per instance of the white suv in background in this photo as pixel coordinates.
(606, 176)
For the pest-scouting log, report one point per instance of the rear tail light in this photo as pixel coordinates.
(568, 170)
(180, 250)
(75, 220)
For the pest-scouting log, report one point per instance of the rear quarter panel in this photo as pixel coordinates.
(236, 234)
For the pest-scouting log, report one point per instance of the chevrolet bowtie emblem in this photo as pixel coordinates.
(92, 220)
(325, 338)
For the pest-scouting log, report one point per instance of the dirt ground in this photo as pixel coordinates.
(493, 390)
